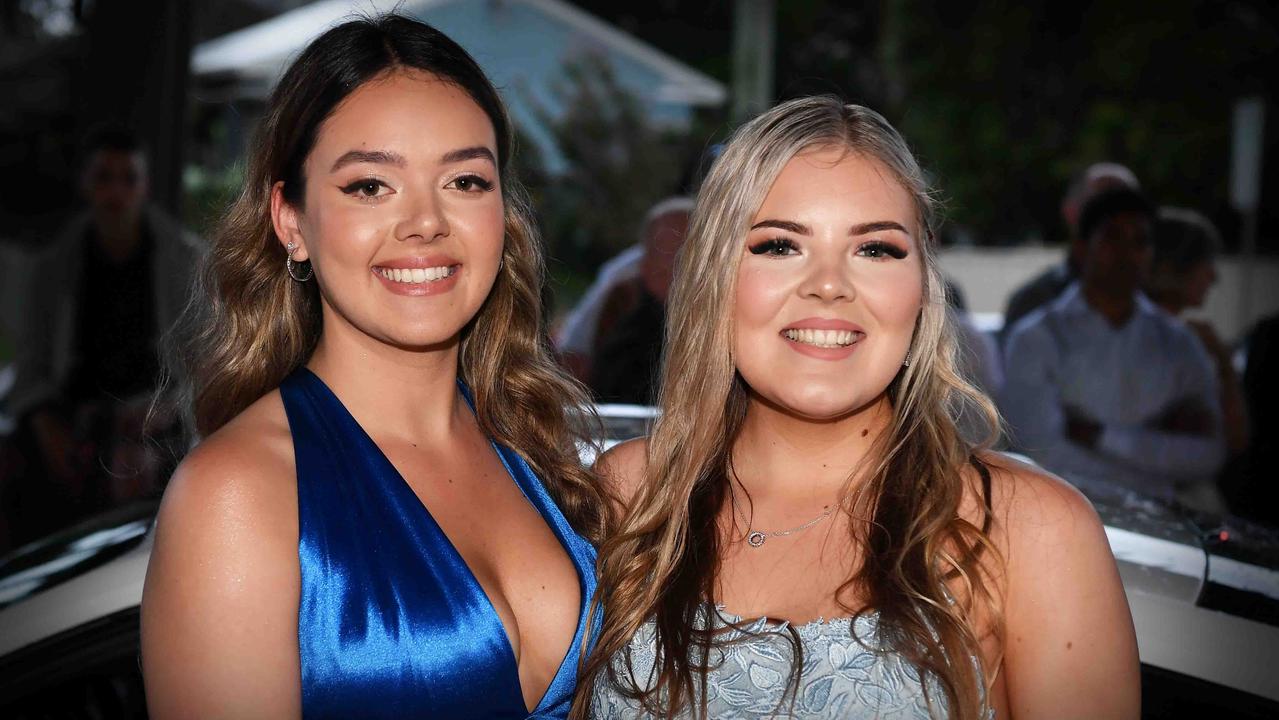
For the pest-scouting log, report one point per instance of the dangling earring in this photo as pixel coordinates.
(289, 264)
(906, 362)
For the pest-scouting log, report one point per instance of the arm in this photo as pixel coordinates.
(1029, 399)
(1070, 650)
(1234, 409)
(220, 605)
(1188, 441)
(34, 334)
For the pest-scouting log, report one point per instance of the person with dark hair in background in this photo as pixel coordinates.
(387, 516)
(1182, 271)
(1101, 384)
(98, 299)
(628, 341)
(1046, 286)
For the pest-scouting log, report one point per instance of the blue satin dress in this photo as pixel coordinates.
(392, 623)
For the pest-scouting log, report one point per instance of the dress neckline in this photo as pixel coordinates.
(536, 495)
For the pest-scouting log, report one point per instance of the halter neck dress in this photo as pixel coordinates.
(391, 622)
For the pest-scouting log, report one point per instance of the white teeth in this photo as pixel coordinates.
(417, 275)
(823, 338)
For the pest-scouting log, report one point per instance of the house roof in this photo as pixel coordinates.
(257, 55)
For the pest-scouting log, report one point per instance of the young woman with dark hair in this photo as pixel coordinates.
(387, 444)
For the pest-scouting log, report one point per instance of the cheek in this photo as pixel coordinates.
(761, 294)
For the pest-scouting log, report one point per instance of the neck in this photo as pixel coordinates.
(797, 460)
(408, 394)
(1115, 306)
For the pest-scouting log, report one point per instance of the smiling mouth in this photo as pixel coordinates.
(417, 276)
(823, 338)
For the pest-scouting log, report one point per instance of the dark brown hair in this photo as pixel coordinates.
(250, 325)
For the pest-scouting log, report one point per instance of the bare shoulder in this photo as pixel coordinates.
(219, 608)
(245, 469)
(1069, 649)
(622, 467)
(1031, 505)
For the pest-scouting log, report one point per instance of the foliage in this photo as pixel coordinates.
(617, 164)
(1006, 100)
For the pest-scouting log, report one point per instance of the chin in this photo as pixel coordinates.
(424, 339)
(820, 403)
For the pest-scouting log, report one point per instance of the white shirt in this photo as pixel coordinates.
(1067, 355)
(578, 333)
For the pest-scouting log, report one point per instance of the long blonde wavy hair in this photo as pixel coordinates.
(250, 325)
(924, 568)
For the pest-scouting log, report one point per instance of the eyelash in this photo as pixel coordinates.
(354, 188)
(781, 247)
(773, 246)
(481, 183)
(888, 250)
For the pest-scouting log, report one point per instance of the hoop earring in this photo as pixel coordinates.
(289, 265)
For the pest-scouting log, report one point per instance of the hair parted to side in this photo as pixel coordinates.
(922, 569)
(250, 325)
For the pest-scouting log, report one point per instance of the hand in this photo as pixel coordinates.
(1184, 417)
(1081, 429)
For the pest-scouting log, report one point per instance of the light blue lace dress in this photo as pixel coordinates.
(842, 677)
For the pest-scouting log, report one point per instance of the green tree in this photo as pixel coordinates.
(1005, 100)
(617, 165)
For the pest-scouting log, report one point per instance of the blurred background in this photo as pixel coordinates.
(124, 125)
(621, 105)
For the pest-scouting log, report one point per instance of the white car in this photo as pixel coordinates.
(1204, 593)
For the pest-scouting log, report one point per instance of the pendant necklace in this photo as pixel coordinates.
(756, 538)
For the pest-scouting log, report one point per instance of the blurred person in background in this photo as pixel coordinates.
(977, 359)
(577, 337)
(97, 300)
(1102, 385)
(1184, 268)
(1049, 284)
(628, 342)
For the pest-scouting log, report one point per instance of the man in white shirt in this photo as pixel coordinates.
(1101, 384)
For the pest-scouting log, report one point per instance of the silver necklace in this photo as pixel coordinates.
(756, 538)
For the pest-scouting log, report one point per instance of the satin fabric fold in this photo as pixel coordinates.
(391, 622)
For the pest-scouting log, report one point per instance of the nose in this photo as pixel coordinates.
(424, 219)
(828, 281)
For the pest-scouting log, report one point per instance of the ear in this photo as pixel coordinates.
(285, 221)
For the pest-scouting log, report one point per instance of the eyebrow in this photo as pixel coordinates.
(386, 157)
(479, 152)
(860, 229)
(877, 226)
(377, 157)
(787, 225)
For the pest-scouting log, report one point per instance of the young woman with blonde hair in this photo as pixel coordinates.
(388, 446)
(808, 534)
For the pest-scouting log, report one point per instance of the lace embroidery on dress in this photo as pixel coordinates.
(842, 676)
